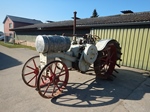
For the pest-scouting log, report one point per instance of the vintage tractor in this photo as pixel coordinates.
(49, 73)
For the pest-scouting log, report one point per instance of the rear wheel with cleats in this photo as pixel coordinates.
(107, 60)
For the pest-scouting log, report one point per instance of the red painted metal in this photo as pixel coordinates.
(52, 79)
(105, 62)
(30, 71)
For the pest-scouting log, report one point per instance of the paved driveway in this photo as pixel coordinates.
(129, 92)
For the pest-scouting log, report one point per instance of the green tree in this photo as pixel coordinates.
(95, 14)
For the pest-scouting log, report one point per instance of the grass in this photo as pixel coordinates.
(10, 45)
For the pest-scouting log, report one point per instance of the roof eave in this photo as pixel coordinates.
(116, 24)
(40, 28)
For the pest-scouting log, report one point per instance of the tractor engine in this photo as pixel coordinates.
(77, 56)
(85, 54)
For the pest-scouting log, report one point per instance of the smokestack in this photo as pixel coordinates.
(74, 23)
(74, 41)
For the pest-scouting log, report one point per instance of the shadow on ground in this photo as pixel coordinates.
(7, 61)
(96, 92)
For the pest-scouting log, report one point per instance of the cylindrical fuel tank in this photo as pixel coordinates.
(52, 43)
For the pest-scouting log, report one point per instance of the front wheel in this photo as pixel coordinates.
(52, 79)
(30, 71)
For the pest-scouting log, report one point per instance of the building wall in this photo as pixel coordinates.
(6, 27)
(28, 37)
(134, 42)
(28, 40)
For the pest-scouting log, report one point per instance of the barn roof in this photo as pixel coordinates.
(22, 20)
(122, 19)
(114, 19)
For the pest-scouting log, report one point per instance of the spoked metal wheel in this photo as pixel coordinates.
(30, 71)
(106, 61)
(52, 79)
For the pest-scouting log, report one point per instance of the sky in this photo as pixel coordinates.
(59, 10)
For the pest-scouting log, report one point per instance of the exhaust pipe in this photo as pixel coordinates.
(74, 41)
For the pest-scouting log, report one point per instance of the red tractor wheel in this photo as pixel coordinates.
(52, 79)
(30, 71)
(106, 60)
